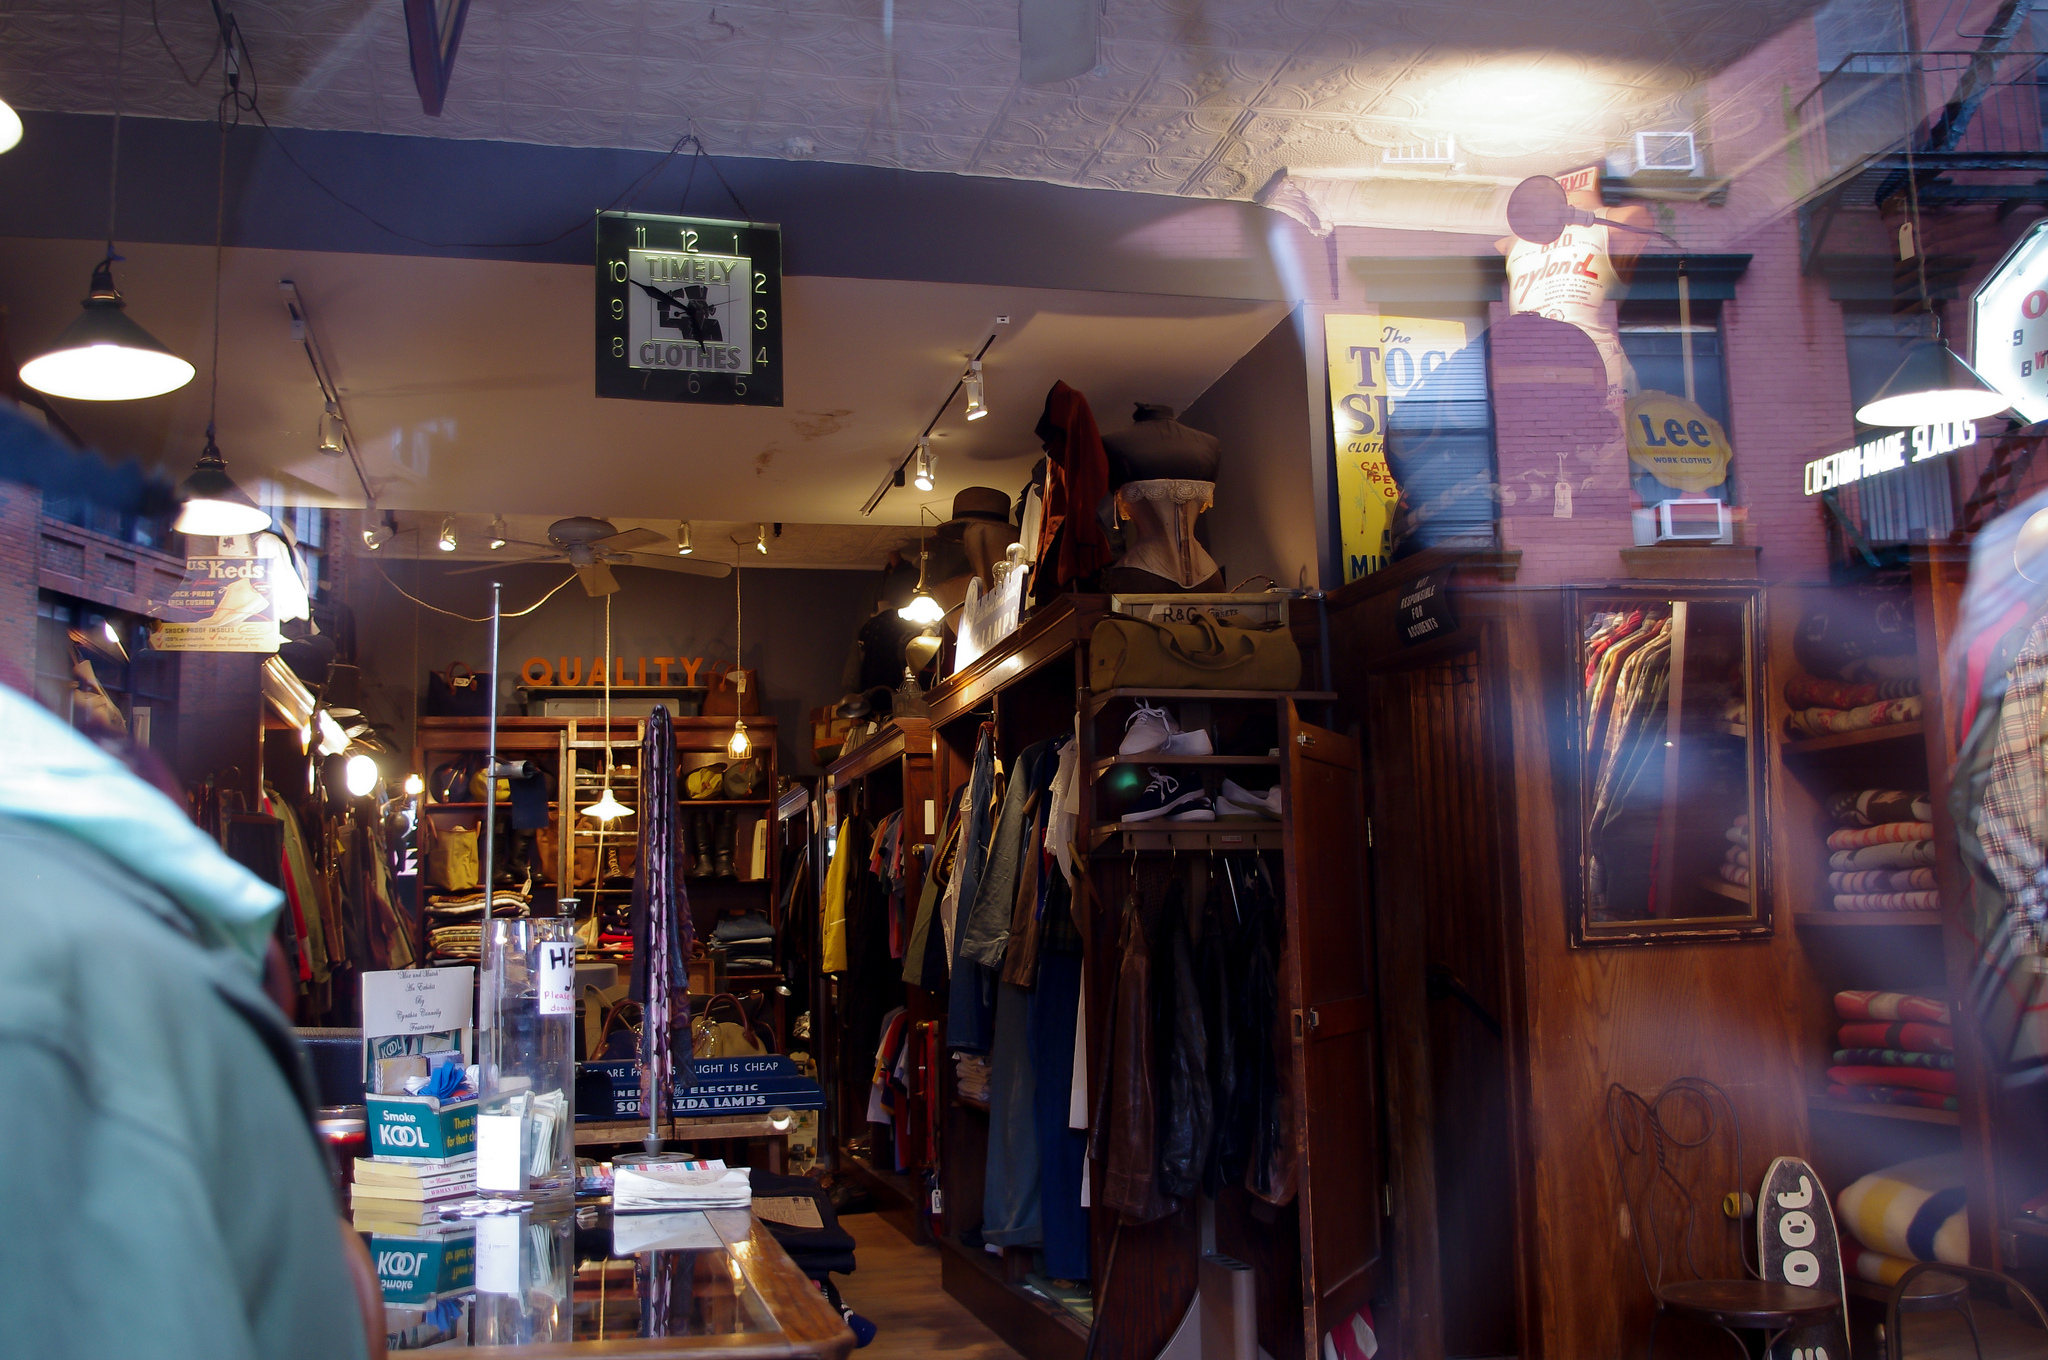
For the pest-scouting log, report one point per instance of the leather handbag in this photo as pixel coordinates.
(743, 779)
(724, 1030)
(452, 862)
(734, 694)
(458, 692)
(1127, 653)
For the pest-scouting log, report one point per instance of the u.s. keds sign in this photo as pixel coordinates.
(1886, 452)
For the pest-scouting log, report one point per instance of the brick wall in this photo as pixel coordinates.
(21, 512)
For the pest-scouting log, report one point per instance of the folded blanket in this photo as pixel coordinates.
(1890, 1006)
(1738, 874)
(1869, 807)
(1883, 880)
(1897, 855)
(1876, 1266)
(1819, 722)
(1737, 856)
(1856, 837)
(1809, 691)
(1888, 901)
(1894, 1095)
(1911, 1035)
(1911, 1078)
(1913, 1210)
(1894, 1057)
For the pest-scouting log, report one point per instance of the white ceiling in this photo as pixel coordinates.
(1196, 97)
(468, 383)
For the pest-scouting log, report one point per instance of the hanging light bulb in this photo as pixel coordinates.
(383, 531)
(683, 547)
(921, 466)
(922, 610)
(741, 743)
(333, 435)
(607, 808)
(414, 786)
(1932, 385)
(214, 506)
(103, 355)
(360, 774)
(10, 127)
(971, 384)
(499, 537)
(761, 539)
(448, 542)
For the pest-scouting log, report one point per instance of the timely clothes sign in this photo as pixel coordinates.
(1374, 362)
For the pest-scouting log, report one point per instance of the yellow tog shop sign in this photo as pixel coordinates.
(1676, 442)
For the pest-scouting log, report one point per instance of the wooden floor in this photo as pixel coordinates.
(897, 1288)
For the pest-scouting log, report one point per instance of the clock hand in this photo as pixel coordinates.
(656, 293)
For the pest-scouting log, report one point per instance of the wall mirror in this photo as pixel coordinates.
(1667, 687)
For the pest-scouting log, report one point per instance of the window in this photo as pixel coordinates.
(1655, 345)
(1866, 92)
(143, 530)
(145, 687)
(308, 524)
(1909, 503)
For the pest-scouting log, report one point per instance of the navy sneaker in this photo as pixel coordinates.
(1166, 795)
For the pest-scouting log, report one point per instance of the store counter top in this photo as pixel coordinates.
(562, 1281)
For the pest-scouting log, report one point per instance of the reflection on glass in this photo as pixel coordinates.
(1667, 770)
(540, 1276)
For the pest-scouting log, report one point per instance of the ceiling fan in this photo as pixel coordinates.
(593, 546)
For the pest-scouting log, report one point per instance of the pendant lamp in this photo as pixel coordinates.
(1933, 385)
(214, 506)
(607, 808)
(923, 610)
(741, 743)
(102, 355)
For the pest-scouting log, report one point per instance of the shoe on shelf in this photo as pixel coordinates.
(1200, 809)
(1195, 743)
(1148, 729)
(1265, 804)
(1167, 794)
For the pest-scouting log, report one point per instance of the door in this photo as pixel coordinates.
(1333, 1015)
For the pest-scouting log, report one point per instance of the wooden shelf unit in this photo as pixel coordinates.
(1031, 687)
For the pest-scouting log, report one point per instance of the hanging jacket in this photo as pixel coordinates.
(985, 934)
(1125, 1136)
(1077, 480)
(843, 854)
(1185, 1112)
(156, 1103)
(1214, 958)
(970, 1005)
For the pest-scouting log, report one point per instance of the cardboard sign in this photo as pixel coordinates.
(558, 977)
(223, 605)
(417, 1001)
(420, 1128)
(1373, 362)
(417, 1270)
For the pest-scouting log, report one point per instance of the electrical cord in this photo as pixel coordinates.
(511, 614)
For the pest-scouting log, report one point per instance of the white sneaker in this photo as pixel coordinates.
(1245, 803)
(1195, 743)
(1148, 729)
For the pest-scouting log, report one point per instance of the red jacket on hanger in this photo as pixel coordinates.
(1076, 480)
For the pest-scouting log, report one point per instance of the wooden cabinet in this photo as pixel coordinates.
(1318, 1256)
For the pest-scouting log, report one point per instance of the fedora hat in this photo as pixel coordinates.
(976, 505)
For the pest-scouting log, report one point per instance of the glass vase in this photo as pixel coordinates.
(526, 1010)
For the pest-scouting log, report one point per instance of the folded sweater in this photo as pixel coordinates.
(1912, 1035)
(1863, 1005)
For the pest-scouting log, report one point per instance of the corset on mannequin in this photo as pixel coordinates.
(1163, 476)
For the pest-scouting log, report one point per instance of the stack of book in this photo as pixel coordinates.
(399, 1196)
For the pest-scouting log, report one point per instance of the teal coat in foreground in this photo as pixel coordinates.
(161, 1191)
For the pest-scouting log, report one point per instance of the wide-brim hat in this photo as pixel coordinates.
(978, 505)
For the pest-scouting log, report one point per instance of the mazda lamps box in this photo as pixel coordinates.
(421, 1128)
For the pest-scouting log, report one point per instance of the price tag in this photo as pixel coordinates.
(558, 977)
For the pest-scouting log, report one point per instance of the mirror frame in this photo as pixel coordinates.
(1574, 793)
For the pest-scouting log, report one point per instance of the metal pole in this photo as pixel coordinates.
(491, 761)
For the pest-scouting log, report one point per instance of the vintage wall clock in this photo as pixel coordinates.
(689, 309)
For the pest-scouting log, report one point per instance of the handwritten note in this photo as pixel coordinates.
(417, 1001)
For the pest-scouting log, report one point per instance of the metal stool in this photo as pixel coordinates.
(1910, 1296)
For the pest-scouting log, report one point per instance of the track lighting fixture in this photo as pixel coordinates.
(761, 539)
(971, 384)
(499, 536)
(921, 466)
(383, 531)
(214, 506)
(333, 438)
(683, 545)
(448, 542)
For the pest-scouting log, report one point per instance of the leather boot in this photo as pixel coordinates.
(723, 850)
(700, 847)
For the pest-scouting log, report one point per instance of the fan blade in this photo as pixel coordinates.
(689, 566)
(629, 540)
(500, 566)
(597, 579)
